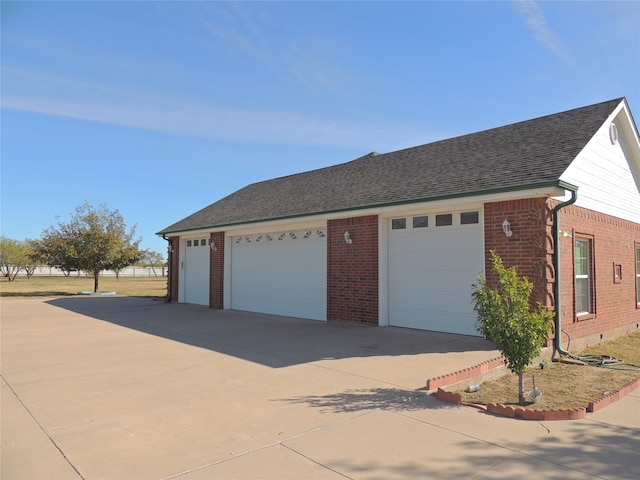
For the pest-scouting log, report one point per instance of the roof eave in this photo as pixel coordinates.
(559, 184)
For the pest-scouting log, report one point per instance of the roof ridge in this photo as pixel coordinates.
(520, 122)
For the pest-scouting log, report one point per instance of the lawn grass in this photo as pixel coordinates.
(41, 286)
(565, 385)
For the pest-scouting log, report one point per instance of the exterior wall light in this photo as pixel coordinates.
(347, 238)
(506, 228)
(213, 246)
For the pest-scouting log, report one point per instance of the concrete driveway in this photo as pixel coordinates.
(127, 388)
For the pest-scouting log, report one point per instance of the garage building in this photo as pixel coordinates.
(398, 239)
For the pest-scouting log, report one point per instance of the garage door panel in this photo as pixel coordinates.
(430, 274)
(436, 319)
(283, 274)
(196, 274)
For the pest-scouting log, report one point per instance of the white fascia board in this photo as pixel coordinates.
(460, 202)
(625, 124)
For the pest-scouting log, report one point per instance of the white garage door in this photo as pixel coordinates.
(282, 273)
(433, 260)
(196, 271)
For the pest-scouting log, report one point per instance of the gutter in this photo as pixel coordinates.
(557, 341)
(170, 266)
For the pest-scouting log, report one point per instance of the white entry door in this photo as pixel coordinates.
(280, 273)
(433, 260)
(196, 271)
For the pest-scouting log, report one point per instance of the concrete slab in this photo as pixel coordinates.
(274, 461)
(383, 445)
(625, 414)
(478, 425)
(27, 452)
(600, 449)
(126, 388)
(519, 464)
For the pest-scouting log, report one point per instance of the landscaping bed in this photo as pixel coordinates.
(565, 385)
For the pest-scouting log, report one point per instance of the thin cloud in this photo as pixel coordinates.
(536, 22)
(57, 96)
(261, 36)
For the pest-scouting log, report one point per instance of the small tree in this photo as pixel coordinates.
(505, 316)
(95, 239)
(14, 256)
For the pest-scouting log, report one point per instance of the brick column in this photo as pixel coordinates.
(216, 271)
(352, 270)
(174, 268)
(530, 248)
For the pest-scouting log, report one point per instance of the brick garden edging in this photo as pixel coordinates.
(528, 414)
(465, 374)
(613, 396)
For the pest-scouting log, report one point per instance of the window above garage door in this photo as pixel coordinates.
(423, 221)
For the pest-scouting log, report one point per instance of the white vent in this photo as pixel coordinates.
(613, 133)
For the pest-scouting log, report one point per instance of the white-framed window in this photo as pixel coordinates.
(398, 223)
(583, 280)
(444, 220)
(468, 218)
(421, 222)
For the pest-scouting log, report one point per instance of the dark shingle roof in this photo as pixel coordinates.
(523, 154)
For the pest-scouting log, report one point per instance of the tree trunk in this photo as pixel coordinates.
(521, 388)
(96, 275)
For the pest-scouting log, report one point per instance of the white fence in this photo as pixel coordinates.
(125, 272)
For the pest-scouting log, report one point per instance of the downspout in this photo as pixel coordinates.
(557, 342)
(169, 265)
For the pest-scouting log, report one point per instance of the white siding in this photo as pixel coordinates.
(607, 175)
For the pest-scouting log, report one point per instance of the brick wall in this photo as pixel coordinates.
(531, 248)
(352, 270)
(613, 243)
(174, 268)
(216, 271)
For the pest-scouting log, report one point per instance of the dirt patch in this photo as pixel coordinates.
(566, 385)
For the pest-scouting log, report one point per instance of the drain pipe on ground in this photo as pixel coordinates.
(557, 344)
(169, 265)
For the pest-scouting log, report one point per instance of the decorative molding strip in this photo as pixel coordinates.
(289, 235)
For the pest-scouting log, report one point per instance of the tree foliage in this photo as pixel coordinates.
(95, 239)
(34, 259)
(150, 259)
(506, 317)
(14, 256)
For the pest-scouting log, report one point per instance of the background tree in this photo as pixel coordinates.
(95, 239)
(505, 316)
(149, 259)
(14, 256)
(34, 258)
(54, 251)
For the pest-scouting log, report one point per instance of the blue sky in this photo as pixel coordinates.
(158, 109)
